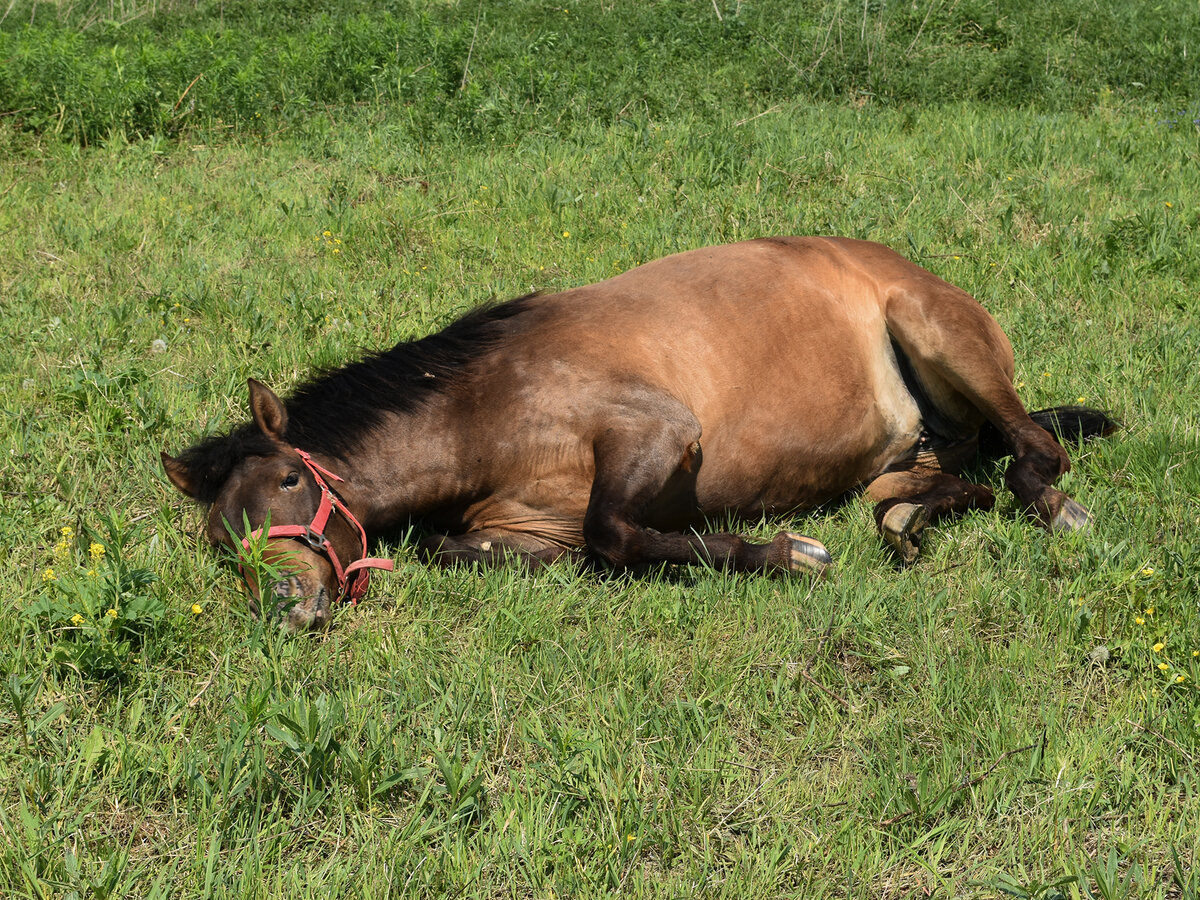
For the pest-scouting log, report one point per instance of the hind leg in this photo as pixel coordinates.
(908, 500)
(649, 443)
(965, 363)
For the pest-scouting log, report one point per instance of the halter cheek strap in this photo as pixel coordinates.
(354, 579)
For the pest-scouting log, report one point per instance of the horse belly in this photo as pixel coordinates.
(837, 424)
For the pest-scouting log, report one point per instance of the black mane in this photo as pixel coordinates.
(333, 411)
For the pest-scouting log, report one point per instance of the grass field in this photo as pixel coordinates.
(1016, 715)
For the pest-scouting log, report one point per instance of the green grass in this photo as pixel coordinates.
(487, 71)
(991, 722)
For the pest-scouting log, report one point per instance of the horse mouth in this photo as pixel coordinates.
(296, 609)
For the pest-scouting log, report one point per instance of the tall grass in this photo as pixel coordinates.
(484, 72)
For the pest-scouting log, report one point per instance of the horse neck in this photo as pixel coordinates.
(405, 467)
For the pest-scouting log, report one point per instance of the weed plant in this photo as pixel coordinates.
(1015, 715)
(485, 72)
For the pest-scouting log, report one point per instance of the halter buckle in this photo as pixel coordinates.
(314, 539)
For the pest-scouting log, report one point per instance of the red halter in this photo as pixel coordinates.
(354, 579)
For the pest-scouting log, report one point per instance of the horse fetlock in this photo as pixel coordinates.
(1058, 513)
(901, 527)
(800, 554)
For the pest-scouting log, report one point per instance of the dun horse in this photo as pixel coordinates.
(609, 421)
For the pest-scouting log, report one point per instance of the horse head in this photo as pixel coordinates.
(260, 488)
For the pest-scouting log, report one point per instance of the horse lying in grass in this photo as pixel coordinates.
(609, 421)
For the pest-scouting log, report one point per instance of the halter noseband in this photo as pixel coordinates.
(353, 579)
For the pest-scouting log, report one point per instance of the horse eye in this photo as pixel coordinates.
(293, 479)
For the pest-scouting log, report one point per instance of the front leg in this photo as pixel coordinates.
(494, 547)
(636, 456)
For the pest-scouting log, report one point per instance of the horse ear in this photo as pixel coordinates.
(270, 415)
(179, 474)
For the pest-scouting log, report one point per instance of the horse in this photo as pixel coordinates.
(609, 422)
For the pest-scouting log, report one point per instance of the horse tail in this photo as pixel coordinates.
(1075, 423)
(1066, 424)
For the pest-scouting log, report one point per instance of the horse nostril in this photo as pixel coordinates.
(302, 613)
(287, 588)
(289, 594)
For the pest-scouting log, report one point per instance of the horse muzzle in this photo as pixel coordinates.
(296, 605)
(298, 612)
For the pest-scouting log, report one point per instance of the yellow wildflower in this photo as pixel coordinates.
(1140, 620)
(197, 609)
(566, 234)
(77, 619)
(49, 575)
(1149, 570)
(327, 233)
(112, 613)
(1158, 648)
(96, 550)
(1164, 666)
(1149, 610)
(1169, 204)
(1180, 678)
(67, 532)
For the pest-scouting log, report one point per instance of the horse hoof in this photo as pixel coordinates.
(805, 554)
(1071, 517)
(901, 528)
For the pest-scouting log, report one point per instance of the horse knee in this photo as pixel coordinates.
(614, 540)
